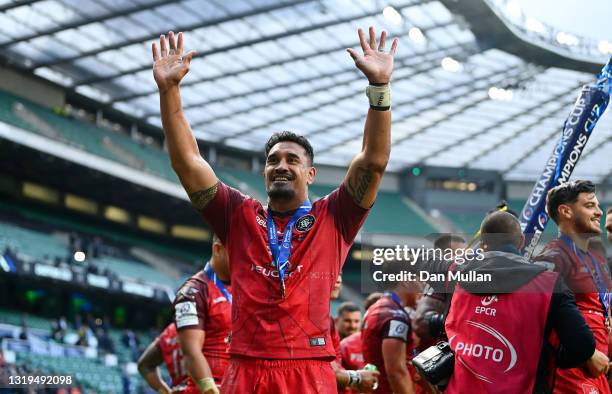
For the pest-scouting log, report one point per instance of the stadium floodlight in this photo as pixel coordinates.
(534, 25)
(79, 256)
(500, 94)
(416, 35)
(567, 39)
(514, 8)
(452, 65)
(392, 15)
(605, 47)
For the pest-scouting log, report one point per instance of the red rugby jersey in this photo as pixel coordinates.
(351, 352)
(580, 281)
(264, 325)
(384, 319)
(168, 343)
(199, 304)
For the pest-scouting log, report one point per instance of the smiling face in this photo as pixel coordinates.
(288, 172)
(584, 215)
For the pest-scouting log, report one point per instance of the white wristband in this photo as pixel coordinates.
(379, 96)
(354, 378)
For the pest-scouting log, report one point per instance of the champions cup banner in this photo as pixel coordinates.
(588, 108)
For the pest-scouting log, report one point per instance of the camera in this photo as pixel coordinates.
(436, 363)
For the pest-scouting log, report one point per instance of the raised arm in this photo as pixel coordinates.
(169, 68)
(365, 172)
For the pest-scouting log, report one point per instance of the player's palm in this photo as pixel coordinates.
(376, 64)
(169, 70)
(169, 65)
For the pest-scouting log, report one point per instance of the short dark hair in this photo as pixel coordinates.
(348, 307)
(444, 241)
(371, 299)
(290, 136)
(500, 228)
(566, 193)
(609, 211)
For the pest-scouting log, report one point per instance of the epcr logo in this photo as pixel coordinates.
(488, 300)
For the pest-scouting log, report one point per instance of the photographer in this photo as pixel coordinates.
(488, 320)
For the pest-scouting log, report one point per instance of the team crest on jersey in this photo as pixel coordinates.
(305, 223)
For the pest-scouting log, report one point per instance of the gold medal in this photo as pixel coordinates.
(608, 324)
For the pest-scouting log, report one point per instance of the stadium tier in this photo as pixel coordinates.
(41, 354)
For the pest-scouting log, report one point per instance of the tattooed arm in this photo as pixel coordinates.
(366, 170)
(365, 173)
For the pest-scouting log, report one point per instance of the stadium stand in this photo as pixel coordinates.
(39, 352)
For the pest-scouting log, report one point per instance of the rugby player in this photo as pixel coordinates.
(575, 209)
(348, 320)
(284, 258)
(202, 313)
(386, 338)
(164, 349)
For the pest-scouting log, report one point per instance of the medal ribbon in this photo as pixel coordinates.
(596, 275)
(282, 252)
(215, 279)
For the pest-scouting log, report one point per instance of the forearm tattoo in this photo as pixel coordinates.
(359, 184)
(201, 198)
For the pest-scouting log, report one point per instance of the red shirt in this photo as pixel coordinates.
(264, 325)
(172, 355)
(350, 350)
(199, 304)
(385, 319)
(579, 280)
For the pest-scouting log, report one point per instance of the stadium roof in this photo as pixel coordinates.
(267, 65)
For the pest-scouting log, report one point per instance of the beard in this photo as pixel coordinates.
(585, 226)
(285, 192)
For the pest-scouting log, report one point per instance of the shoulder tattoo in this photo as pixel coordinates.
(201, 198)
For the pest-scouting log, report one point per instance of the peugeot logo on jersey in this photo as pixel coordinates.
(305, 223)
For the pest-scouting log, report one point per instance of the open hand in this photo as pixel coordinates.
(169, 65)
(376, 64)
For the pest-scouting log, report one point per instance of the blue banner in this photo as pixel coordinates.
(588, 108)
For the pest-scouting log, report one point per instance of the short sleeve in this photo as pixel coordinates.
(219, 210)
(348, 215)
(191, 307)
(396, 329)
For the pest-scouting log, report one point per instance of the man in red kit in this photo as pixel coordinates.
(164, 349)
(284, 259)
(575, 209)
(350, 347)
(202, 313)
(386, 336)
